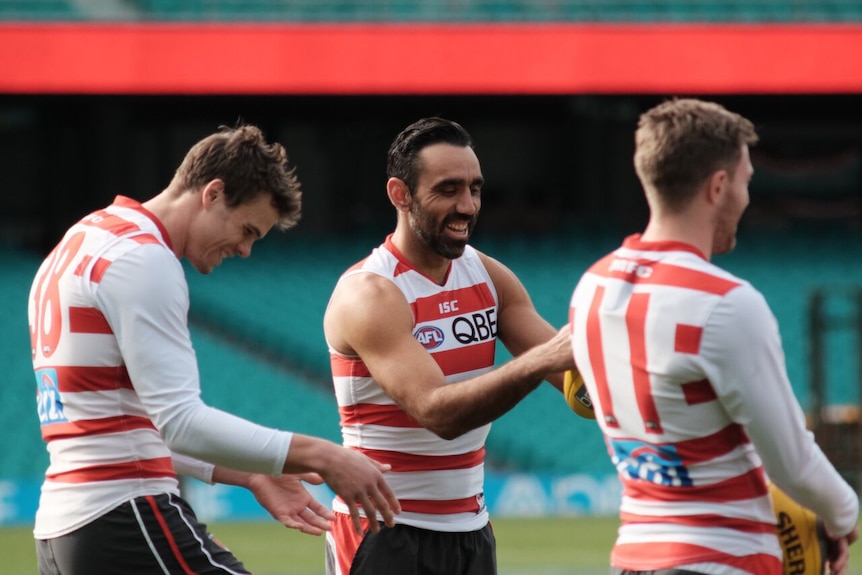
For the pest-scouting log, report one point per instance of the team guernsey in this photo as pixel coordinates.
(685, 367)
(116, 374)
(438, 483)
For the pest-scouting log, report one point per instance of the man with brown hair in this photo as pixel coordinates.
(684, 365)
(118, 389)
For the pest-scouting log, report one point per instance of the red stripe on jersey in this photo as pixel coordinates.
(99, 269)
(746, 486)
(376, 414)
(698, 392)
(438, 506)
(88, 320)
(141, 469)
(704, 520)
(125, 202)
(110, 223)
(401, 268)
(169, 536)
(144, 239)
(441, 507)
(475, 298)
(404, 462)
(89, 427)
(81, 378)
(651, 272)
(654, 555)
(636, 313)
(597, 358)
(463, 359)
(687, 338)
(348, 366)
(711, 446)
(404, 264)
(82, 265)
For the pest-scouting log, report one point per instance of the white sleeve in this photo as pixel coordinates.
(745, 362)
(191, 467)
(144, 297)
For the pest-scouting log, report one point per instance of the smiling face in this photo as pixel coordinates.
(445, 205)
(221, 232)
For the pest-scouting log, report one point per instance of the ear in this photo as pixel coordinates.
(212, 193)
(399, 194)
(716, 185)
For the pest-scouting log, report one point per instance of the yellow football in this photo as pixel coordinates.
(801, 534)
(576, 395)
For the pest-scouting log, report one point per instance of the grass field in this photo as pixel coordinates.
(544, 546)
(551, 546)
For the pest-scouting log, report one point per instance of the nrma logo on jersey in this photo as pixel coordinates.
(660, 464)
(48, 402)
(429, 336)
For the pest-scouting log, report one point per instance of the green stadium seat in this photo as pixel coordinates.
(615, 11)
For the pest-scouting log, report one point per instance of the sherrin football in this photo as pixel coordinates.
(576, 395)
(801, 534)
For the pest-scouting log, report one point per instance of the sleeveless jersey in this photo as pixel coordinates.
(116, 374)
(439, 483)
(684, 365)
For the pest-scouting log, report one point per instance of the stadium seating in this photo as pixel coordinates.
(21, 444)
(741, 11)
(277, 298)
(259, 339)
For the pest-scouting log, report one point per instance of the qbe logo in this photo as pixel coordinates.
(429, 336)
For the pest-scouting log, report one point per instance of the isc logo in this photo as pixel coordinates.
(429, 336)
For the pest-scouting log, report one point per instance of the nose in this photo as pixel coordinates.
(244, 248)
(467, 202)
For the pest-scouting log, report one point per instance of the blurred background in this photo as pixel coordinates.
(104, 97)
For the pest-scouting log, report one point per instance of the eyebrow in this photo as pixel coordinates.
(458, 182)
(254, 229)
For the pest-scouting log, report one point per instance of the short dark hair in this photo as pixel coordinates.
(249, 166)
(402, 160)
(680, 142)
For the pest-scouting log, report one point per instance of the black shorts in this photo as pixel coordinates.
(410, 551)
(154, 534)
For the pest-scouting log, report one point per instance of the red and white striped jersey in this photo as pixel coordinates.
(439, 483)
(684, 364)
(117, 376)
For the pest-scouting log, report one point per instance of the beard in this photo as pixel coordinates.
(724, 239)
(433, 235)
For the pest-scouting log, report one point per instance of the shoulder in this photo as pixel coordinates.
(364, 307)
(144, 268)
(364, 298)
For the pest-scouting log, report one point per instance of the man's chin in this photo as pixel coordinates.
(453, 250)
(202, 268)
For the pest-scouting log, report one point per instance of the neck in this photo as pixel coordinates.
(420, 257)
(173, 209)
(680, 228)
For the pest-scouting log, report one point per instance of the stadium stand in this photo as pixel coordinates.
(257, 323)
(21, 444)
(258, 334)
(244, 385)
(737, 11)
(273, 304)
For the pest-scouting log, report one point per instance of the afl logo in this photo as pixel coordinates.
(429, 336)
